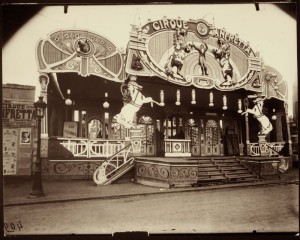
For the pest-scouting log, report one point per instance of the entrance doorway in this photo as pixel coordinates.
(145, 123)
(212, 137)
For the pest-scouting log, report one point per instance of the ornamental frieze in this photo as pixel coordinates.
(194, 53)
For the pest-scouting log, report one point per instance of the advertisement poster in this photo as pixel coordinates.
(70, 129)
(25, 137)
(10, 151)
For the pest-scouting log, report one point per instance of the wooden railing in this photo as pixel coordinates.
(81, 147)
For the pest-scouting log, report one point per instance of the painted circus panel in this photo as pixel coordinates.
(193, 53)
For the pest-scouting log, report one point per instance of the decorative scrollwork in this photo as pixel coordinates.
(184, 173)
(63, 168)
(72, 65)
(142, 169)
(164, 173)
(87, 168)
(174, 173)
(193, 173)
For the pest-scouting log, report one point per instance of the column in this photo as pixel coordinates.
(288, 129)
(278, 123)
(247, 135)
(44, 82)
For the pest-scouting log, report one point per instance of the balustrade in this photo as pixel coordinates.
(273, 149)
(177, 147)
(81, 147)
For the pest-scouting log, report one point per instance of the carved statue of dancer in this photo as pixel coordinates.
(202, 59)
(266, 126)
(133, 99)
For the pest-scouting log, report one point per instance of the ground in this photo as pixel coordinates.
(271, 208)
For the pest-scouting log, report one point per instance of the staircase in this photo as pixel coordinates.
(115, 167)
(221, 170)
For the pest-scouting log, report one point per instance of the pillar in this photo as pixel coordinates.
(288, 129)
(247, 134)
(44, 82)
(278, 123)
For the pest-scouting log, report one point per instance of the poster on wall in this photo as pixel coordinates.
(10, 151)
(25, 137)
(70, 129)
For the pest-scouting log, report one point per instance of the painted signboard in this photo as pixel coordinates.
(70, 129)
(194, 53)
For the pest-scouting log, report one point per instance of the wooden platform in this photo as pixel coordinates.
(191, 171)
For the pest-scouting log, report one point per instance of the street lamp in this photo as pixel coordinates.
(37, 188)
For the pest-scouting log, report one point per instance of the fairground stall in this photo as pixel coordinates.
(186, 101)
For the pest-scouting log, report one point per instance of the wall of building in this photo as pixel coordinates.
(19, 129)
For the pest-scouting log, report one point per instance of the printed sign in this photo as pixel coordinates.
(18, 113)
(10, 151)
(70, 129)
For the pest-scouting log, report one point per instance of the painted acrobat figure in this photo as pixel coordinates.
(202, 49)
(181, 49)
(266, 126)
(227, 69)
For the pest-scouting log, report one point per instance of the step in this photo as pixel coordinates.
(223, 158)
(207, 165)
(229, 164)
(211, 179)
(241, 176)
(244, 180)
(211, 174)
(233, 168)
(225, 161)
(207, 169)
(204, 161)
(236, 172)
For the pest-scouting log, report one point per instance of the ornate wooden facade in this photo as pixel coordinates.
(204, 76)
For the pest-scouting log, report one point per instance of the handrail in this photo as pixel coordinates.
(284, 165)
(101, 176)
(111, 157)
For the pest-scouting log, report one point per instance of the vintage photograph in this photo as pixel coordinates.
(25, 136)
(150, 118)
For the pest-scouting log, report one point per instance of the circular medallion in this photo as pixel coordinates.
(84, 47)
(202, 29)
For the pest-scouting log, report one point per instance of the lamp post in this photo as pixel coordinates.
(37, 187)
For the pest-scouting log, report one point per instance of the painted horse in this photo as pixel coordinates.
(133, 99)
(266, 126)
